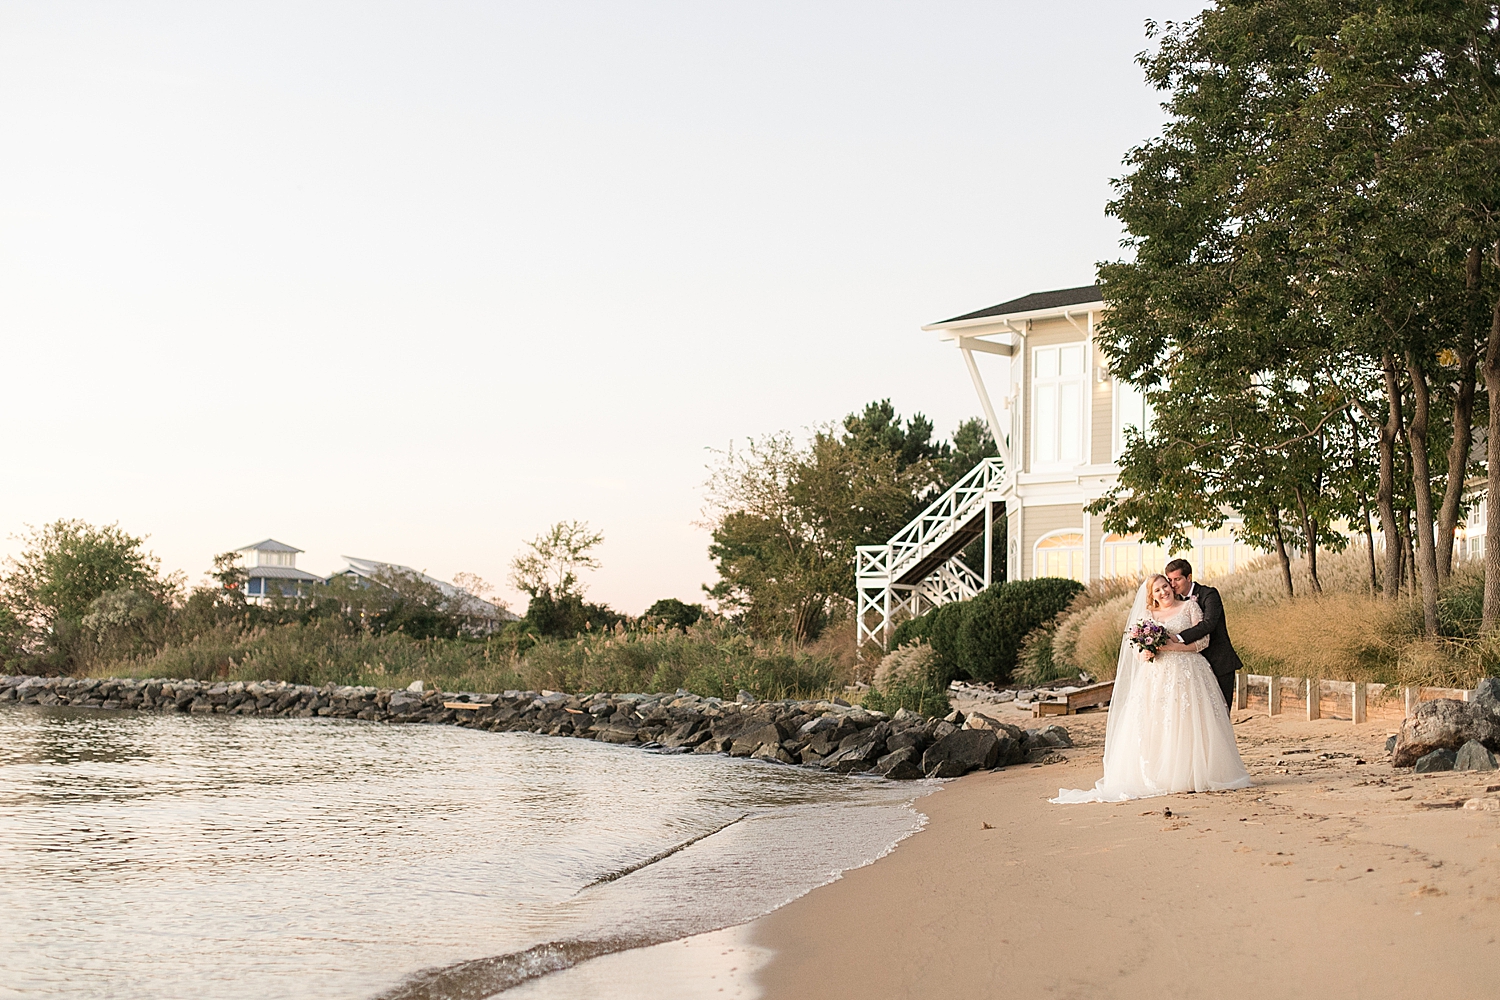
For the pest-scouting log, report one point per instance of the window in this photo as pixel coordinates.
(252, 587)
(1060, 554)
(1213, 554)
(1131, 411)
(1058, 386)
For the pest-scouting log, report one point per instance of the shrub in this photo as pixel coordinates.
(913, 630)
(916, 661)
(909, 677)
(1034, 661)
(998, 619)
(947, 621)
(916, 696)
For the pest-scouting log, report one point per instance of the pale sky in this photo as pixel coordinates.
(413, 281)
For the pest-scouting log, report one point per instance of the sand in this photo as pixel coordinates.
(1330, 878)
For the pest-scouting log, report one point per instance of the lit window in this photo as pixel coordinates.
(1057, 405)
(1060, 554)
(1131, 412)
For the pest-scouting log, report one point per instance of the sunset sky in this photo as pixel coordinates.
(412, 281)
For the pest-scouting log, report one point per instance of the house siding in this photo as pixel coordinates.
(1043, 520)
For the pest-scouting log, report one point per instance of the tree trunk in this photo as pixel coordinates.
(1463, 428)
(1421, 480)
(1409, 560)
(1286, 562)
(1364, 504)
(1491, 614)
(1385, 496)
(1310, 533)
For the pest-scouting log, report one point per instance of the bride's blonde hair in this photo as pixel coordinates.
(1151, 589)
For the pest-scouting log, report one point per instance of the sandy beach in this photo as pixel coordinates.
(1335, 876)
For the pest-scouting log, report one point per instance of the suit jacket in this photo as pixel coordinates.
(1220, 653)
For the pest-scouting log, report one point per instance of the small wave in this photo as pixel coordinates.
(664, 855)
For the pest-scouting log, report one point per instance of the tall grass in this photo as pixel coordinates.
(1344, 633)
(709, 659)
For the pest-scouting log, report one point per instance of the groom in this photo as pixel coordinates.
(1220, 653)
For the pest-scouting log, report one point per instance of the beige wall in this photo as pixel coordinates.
(1100, 424)
(1039, 521)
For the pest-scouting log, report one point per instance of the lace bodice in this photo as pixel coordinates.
(1186, 616)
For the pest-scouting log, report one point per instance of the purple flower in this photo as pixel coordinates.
(1148, 634)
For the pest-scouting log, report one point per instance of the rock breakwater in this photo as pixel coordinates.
(827, 734)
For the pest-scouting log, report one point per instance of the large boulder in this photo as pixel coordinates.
(1438, 760)
(1445, 724)
(960, 752)
(751, 740)
(1473, 756)
(902, 765)
(977, 720)
(1487, 695)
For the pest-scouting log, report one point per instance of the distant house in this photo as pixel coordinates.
(369, 572)
(272, 570)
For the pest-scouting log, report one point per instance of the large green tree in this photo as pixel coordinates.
(1305, 293)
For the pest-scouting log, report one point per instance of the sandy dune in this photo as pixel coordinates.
(1331, 878)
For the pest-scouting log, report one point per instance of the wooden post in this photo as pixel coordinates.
(1273, 696)
(1241, 688)
(1314, 697)
(1361, 711)
(1410, 694)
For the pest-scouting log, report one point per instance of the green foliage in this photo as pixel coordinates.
(916, 695)
(669, 612)
(786, 518)
(912, 630)
(947, 622)
(991, 632)
(552, 560)
(65, 568)
(1035, 663)
(569, 615)
(709, 659)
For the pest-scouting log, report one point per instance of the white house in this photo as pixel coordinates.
(369, 571)
(1060, 420)
(272, 570)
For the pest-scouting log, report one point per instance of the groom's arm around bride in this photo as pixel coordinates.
(1220, 652)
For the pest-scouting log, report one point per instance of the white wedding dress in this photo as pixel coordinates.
(1167, 730)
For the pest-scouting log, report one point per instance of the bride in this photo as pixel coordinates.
(1167, 730)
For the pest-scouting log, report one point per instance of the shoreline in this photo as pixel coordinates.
(1336, 875)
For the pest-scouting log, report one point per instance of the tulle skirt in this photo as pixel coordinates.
(1171, 735)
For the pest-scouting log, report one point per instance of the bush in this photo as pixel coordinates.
(912, 630)
(996, 622)
(947, 621)
(1034, 661)
(913, 695)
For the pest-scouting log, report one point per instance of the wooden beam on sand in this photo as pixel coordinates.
(1241, 688)
(1360, 698)
(1273, 695)
(1314, 698)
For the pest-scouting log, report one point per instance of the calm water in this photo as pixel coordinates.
(174, 856)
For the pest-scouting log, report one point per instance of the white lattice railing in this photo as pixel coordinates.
(878, 567)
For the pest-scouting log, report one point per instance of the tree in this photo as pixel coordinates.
(552, 560)
(786, 517)
(1305, 235)
(65, 567)
(670, 613)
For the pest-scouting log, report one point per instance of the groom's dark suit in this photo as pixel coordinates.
(1220, 653)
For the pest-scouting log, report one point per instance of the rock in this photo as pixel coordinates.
(745, 697)
(960, 752)
(1390, 744)
(1487, 695)
(1056, 736)
(1474, 756)
(772, 751)
(954, 717)
(1438, 760)
(821, 724)
(616, 733)
(416, 686)
(904, 764)
(906, 738)
(747, 742)
(944, 729)
(979, 721)
(1445, 724)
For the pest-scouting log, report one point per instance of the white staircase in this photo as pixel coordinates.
(919, 568)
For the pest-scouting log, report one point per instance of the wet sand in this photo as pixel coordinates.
(1332, 877)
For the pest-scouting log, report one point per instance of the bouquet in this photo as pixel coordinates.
(1148, 635)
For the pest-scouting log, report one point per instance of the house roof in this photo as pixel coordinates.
(1056, 299)
(369, 568)
(269, 545)
(283, 573)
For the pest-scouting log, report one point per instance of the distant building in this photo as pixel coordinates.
(272, 570)
(369, 571)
